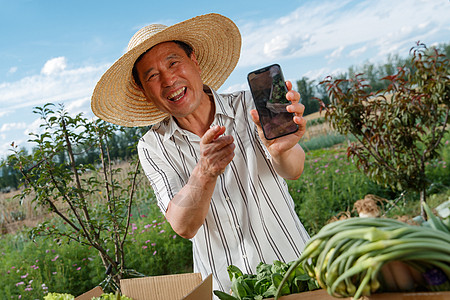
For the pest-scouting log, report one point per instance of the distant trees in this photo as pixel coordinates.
(121, 147)
(309, 92)
(9, 178)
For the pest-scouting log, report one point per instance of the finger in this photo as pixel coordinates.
(220, 149)
(402, 275)
(222, 142)
(255, 116)
(289, 85)
(388, 278)
(293, 96)
(297, 108)
(212, 134)
(217, 147)
(300, 121)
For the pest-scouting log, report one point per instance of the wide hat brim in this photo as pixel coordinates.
(216, 42)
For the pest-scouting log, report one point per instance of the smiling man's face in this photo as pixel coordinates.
(171, 79)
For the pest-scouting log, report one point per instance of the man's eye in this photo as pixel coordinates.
(152, 76)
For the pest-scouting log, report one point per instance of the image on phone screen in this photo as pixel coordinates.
(269, 90)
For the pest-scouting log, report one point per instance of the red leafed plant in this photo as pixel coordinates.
(400, 128)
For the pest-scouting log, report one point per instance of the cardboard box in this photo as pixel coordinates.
(169, 287)
(95, 292)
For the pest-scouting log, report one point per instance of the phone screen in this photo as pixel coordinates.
(269, 90)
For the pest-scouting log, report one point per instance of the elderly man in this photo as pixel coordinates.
(217, 180)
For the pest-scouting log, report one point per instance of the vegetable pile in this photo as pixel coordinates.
(265, 282)
(104, 296)
(353, 257)
(112, 296)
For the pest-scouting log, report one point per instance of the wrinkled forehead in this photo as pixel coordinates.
(188, 50)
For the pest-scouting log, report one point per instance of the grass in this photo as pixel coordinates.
(31, 269)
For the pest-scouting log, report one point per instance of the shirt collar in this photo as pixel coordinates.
(222, 108)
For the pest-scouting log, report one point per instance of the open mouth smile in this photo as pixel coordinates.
(177, 95)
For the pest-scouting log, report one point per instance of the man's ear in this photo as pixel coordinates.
(135, 74)
(139, 87)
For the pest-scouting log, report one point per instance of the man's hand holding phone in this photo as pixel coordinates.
(279, 119)
(286, 153)
(288, 141)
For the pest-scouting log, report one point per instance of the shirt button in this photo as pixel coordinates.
(227, 198)
(244, 256)
(237, 226)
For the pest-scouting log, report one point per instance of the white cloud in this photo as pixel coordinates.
(317, 74)
(56, 84)
(337, 53)
(424, 25)
(77, 104)
(82, 105)
(12, 70)
(276, 46)
(235, 87)
(5, 149)
(34, 127)
(54, 66)
(9, 126)
(358, 52)
(4, 112)
(322, 27)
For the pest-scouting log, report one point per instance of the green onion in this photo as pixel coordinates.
(352, 257)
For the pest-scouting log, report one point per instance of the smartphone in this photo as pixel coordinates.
(269, 90)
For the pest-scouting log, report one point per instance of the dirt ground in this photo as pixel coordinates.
(16, 214)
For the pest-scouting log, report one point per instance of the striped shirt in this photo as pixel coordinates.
(251, 218)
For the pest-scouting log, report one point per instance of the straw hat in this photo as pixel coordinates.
(216, 42)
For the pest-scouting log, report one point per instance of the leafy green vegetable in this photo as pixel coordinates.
(265, 282)
(111, 296)
(224, 296)
(58, 296)
(61, 296)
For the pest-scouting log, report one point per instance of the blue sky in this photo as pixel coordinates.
(55, 51)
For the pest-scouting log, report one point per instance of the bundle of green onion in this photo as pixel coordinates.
(348, 258)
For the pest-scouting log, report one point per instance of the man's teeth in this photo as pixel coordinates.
(177, 94)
